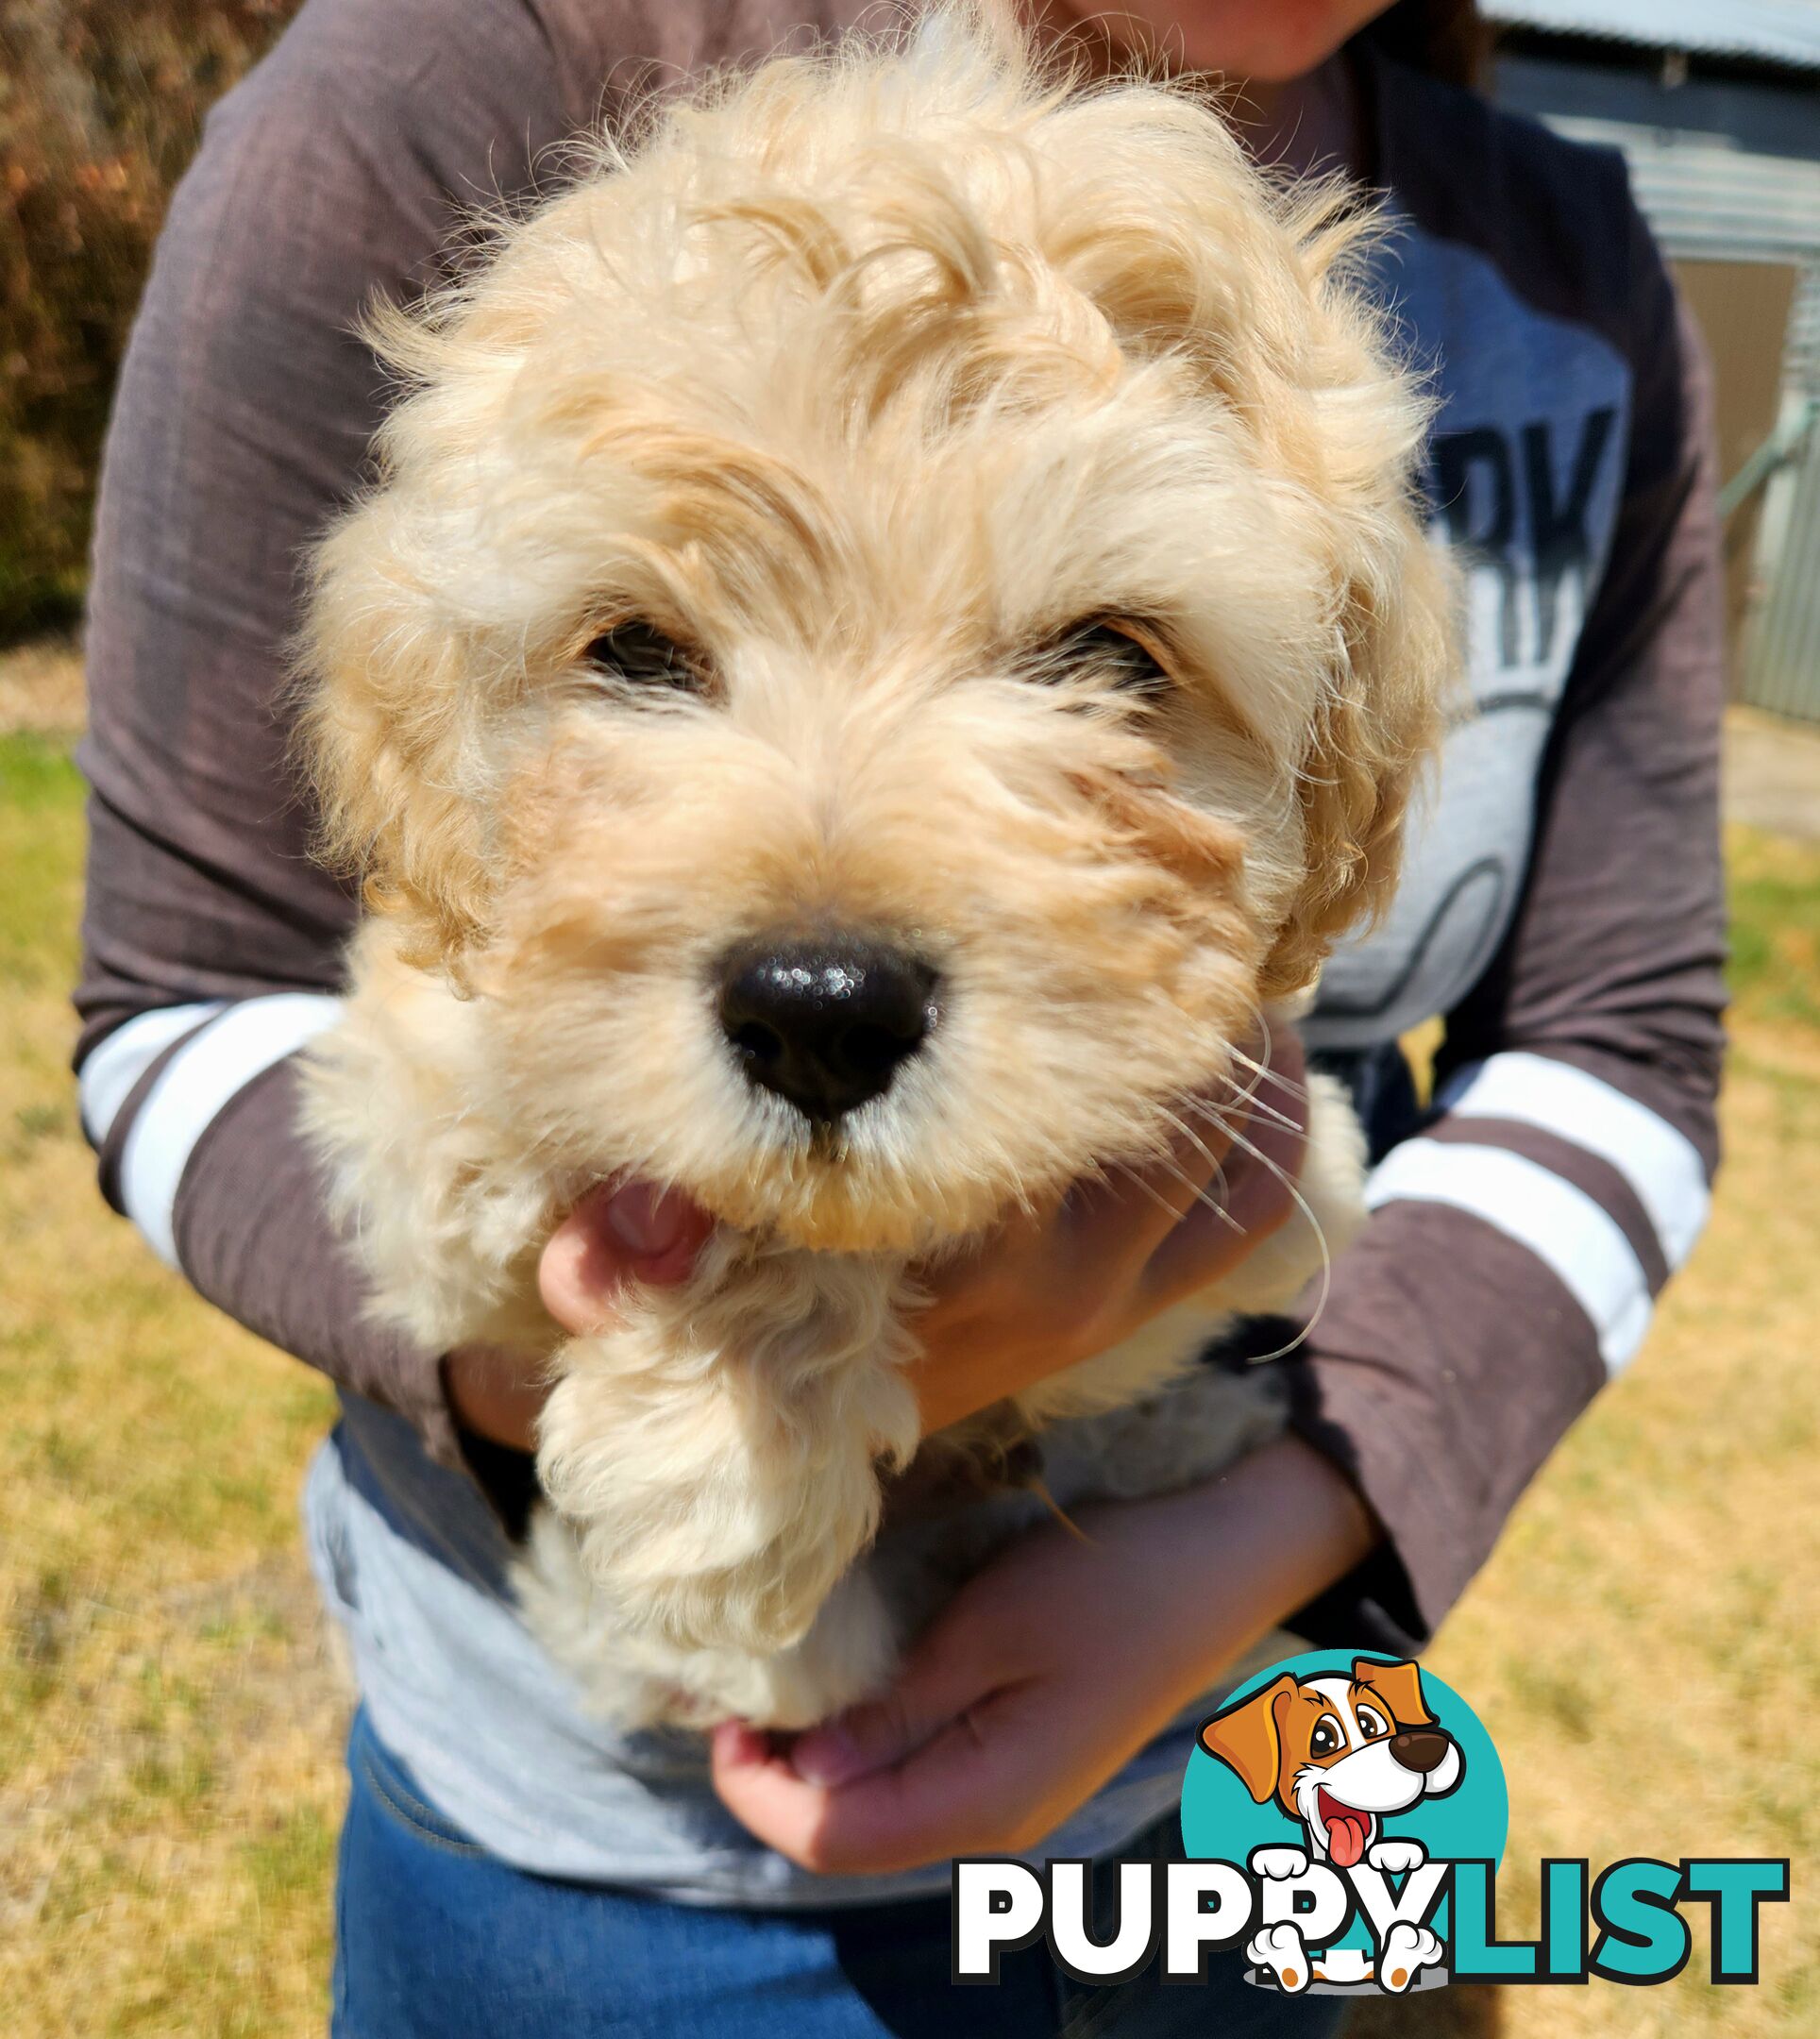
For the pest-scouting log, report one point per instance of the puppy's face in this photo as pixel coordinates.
(1338, 1753)
(890, 624)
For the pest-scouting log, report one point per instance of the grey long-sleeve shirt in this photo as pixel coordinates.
(1562, 907)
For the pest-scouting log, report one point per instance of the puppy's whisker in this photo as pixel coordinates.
(1199, 1146)
(1296, 1344)
(1273, 1079)
(1203, 1197)
(1267, 1074)
(1301, 1205)
(1248, 1105)
(1040, 1489)
(1215, 1187)
(1138, 1182)
(1249, 1092)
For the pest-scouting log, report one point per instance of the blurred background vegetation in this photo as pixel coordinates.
(101, 105)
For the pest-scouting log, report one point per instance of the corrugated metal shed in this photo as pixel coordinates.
(1726, 168)
(1781, 666)
(1705, 195)
(1771, 31)
(1706, 198)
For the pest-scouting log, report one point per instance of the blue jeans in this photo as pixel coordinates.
(436, 1939)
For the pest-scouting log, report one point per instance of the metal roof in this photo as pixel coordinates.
(1703, 195)
(1708, 198)
(1771, 31)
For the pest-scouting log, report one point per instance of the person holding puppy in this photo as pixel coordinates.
(507, 1865)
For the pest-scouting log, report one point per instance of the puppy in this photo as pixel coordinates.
(890, 633)
(1339, 1755)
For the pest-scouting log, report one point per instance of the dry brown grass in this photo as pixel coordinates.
(1643, 1646)
(168, 1725)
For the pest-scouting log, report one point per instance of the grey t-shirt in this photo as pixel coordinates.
(1561, 909)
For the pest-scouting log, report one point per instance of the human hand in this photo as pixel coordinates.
(618, 1233)
(1048, 1671)
(1042, 1293)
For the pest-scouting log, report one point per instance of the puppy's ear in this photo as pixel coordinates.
(1247, 1738)
(387, 735)
(1372, 735)
(1399, 1685)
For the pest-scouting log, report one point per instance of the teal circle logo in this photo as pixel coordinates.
(1348, 1761)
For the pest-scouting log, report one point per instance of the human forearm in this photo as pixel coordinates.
(215, 1173)
(1246, 1552)
(1050, 1670)
(1520, 1240)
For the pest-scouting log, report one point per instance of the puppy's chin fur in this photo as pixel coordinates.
(882, 383)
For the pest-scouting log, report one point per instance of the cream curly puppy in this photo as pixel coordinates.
(891, 625)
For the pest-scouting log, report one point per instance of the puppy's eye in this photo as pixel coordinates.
(1371, 1725)
(1325, 1739)
(1120, 654)
(638, 654)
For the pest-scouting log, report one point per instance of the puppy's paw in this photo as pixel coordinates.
(1408, 1950)
(1278, 1863)
(715, 1453)
(1396, 1858)
(1279, 1948)
(634, 1678)
(1346, 1966)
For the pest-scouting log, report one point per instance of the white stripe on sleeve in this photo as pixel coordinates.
(110, 1071)
(197, 1082)
(1662, 1165)
(1560, 1224)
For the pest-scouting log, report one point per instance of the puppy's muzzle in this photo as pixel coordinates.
(1421, 1749)
(825, 1022)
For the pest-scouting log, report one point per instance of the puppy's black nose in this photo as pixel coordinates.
(825, 1020)
(1420, 1750)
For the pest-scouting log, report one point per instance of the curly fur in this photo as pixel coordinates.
(864, 377)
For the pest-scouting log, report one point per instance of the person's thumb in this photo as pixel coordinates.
(941, 1677)
(621, 1232)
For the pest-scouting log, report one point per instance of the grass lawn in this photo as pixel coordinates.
(1642, 1647)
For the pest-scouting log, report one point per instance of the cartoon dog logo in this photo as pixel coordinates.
(1339, 1755)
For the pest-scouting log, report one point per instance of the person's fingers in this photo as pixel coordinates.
(889, 1783)
(972, 1276)
(1088, 1245)
(1147, 1235)
(620, 1232)
(1208, 1158)
(1257, 1197)
(497, 1394)
(944, 1674)
(954, 1795)
(754, 1782)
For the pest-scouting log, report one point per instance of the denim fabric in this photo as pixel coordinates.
(436, 1939)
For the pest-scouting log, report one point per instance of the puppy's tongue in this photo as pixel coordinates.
(1347, 1831)
(617, 1231)
(648, 1222)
